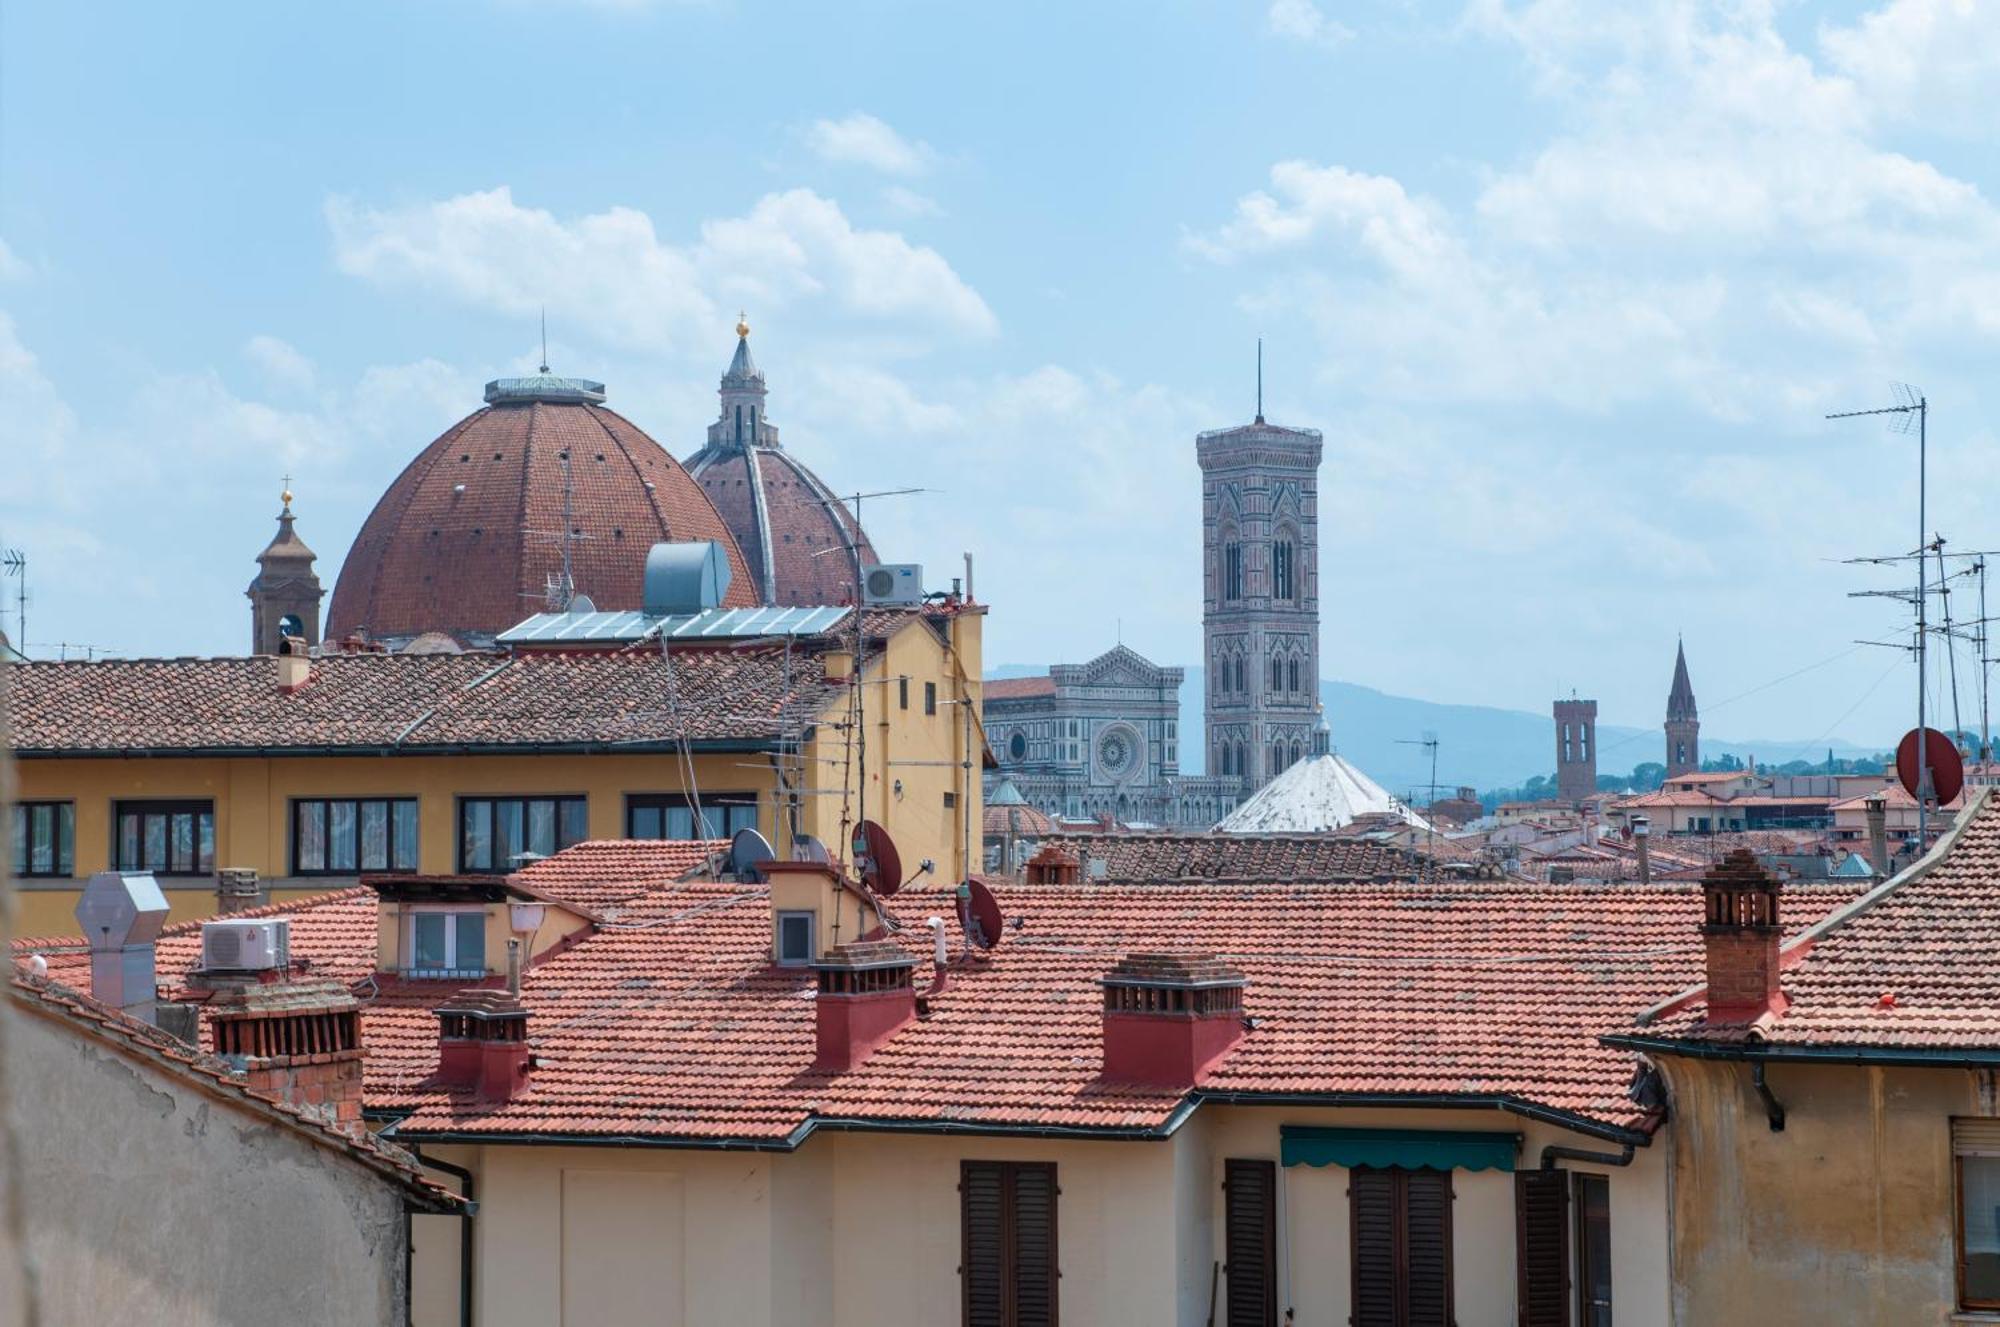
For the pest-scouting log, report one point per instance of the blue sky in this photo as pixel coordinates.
(1566, 286)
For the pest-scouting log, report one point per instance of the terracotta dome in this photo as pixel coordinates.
(467, 539)
(794, 532)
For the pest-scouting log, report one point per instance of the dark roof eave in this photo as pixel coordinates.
(1908, 1057)
(721, 745)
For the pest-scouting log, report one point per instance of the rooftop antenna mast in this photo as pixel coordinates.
(16, 564)
(1260, 380)
(1912, 413)
(545, 338)
(1429, 741)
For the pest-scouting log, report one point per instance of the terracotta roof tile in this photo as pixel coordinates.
(1264, 858)
(1019, 688)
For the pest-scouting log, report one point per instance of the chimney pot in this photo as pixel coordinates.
(865, 997)
(294, 664)
(1642, 835)
(1740, 935)
(237, 890)
(1053, 865)
(1877, 810)
(121, 914)
(297, 1041)
(483, 1043)
(1169, 1019)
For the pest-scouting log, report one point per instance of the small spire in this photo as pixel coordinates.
(545, 338)
(286, 496)
(742, 324)
(1260, 380)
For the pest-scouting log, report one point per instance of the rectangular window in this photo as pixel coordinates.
(445, 943)
(1007, 1261)
(1541, 1247)
(1975, 1147)
(795, 939)
(166, 838)
(341, 836)
(1250, 1242)
(499, 834)
(950, 800)
(42, 836)
(930, 698)
(678, 816)
(1593, 1250)
(1401, 1233)
(903, 692)
(1232, 572)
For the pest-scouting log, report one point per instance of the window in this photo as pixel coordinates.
(343, 836)
(496, 833)
(1250, 1242)
(1277, 673)
(441, 943)
(930, 698)
(672, 815)
(1593, 1250)
(1281, 569)
(1007, 1262)
(795, 939)
(903, 692)
(1975, 1148)
(1541, 1247)
(1242, 675)
(43, 835)
(1401, 1233)
(1232, 571)
(1292, 674)
(166, 838)
(950, 800)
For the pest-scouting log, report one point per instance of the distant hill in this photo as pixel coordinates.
(1478, 745)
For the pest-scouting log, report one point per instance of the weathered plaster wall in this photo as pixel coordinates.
(1846, 1216)
(151, 1201)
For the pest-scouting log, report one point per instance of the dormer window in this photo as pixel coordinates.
(444, 942)
(795, 939)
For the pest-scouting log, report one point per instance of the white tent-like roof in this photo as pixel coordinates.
(1312, 797)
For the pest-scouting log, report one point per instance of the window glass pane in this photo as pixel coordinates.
(311, 838)
(180, 847)
(374, 836)
(427, 940)
(1981, 1200)
(17, 831)
(795, 937)
(645, 822)
(541, 827)
(66, 832)
(741, 817)
(340, 836)
(128, 842)
(508, 839)
(154, 854)
(476, 852)
(680, 822)
(406, 836)
(575, 826)
(205, 842)
(1593, 1249)
(42, 839)
(471, 956)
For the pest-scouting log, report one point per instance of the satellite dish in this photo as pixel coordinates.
(876, 859)
(748, 850)
(582, 604)
(985, 910)
(1947, 768)
(806, 848)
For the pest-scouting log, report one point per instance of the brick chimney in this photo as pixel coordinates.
(1877, 810)
(865, 997)
(1053, 865)
(1642, 838)
(294, 664)
(298, 1041)
(237, 890)
(1168, 1019)
(483, 1043)
(1741, 933)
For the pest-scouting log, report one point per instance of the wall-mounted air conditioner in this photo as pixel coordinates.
(893, 583)
(246, 946)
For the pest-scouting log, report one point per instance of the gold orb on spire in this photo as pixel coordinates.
(286, 495)
(742, 327)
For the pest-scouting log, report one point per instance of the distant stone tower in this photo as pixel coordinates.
(1576, 749)
(1260, 606)
(284, 598)
(1683, 721)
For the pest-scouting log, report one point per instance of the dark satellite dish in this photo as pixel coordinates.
(985, 911)
(806, 848)
(582, 604)
(1947, 768)
(876, 860)
(748, 850)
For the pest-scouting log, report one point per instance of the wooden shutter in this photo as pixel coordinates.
(1250, 1210)
(1541, 1247)
(1007, 1267)
(1427, 1231)
(1372, 1211)
(1034, 1252)
(983, 1263)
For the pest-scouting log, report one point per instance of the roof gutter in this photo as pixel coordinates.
(721, 745)
(1901, 1057)
(1416, 1101)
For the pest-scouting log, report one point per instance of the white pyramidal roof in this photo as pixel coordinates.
(1315, 795)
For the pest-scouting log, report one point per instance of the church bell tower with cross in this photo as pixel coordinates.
(285, 596)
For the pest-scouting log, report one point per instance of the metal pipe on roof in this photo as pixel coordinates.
(1774, 1110)
(468, 1186)
(1557, 1151)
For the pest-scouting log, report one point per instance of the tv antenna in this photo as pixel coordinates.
(559, 590)
(1911, 414)
(545, 338)
(1260, 380)
(15, 562)
(1429, 741)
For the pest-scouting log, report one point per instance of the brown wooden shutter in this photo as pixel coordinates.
(982, 1268)
(1541, 1247)
(1007, 1267)
(1034, 1252)
(1427, 1233)
(1372, 1212)
(1250, 1211)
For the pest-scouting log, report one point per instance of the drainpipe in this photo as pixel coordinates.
(1774, 1109)
(468, 1187)
(1556, 1151)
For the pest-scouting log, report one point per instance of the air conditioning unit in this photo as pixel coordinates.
(893, 583)
(246, 946)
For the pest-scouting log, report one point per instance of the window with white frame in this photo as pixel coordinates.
(795, 938)
(444, 942)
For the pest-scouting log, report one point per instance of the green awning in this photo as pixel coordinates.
(1411, 1149)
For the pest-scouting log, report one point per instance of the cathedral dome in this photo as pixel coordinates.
(793, 530)
(470, 536)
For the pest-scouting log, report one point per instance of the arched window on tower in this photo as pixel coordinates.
(1242, 765)
(1292, 674)
(1232, 570)
(1282, 578)
(1277, 672)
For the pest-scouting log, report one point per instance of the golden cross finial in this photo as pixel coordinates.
(742, 325)
(287, 494)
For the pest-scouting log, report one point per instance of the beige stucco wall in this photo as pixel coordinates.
(862, 1229)
(1845, 1216)
(149, 1200)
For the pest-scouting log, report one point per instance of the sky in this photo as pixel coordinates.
(1567, 287)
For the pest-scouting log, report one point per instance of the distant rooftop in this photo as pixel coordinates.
(544, 387)
(710, 624)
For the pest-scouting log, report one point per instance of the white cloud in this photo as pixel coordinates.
(863, 140)
(608, 275)
(1301, 20)
(1934, 61)
(12, 266)
(909, 203)
(281, 363)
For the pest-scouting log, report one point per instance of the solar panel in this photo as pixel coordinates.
(713, 624)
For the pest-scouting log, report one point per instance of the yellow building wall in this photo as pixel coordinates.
(1846, 1216)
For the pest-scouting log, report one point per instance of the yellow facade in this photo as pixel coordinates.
(911, 764)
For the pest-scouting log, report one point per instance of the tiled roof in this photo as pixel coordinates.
(788, 518)
(1027, 821)
(1019, 688)
(1914, 965)
(169, 1055)
(377, 702)
(1258, 858)
(602, 873)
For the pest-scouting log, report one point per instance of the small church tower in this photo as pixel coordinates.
(1683, 721)
(284, 598)
(1576, 749)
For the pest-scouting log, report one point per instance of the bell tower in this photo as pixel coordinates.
(742, 423)
(1576, 749)
(1683, 721)
(284, 597)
